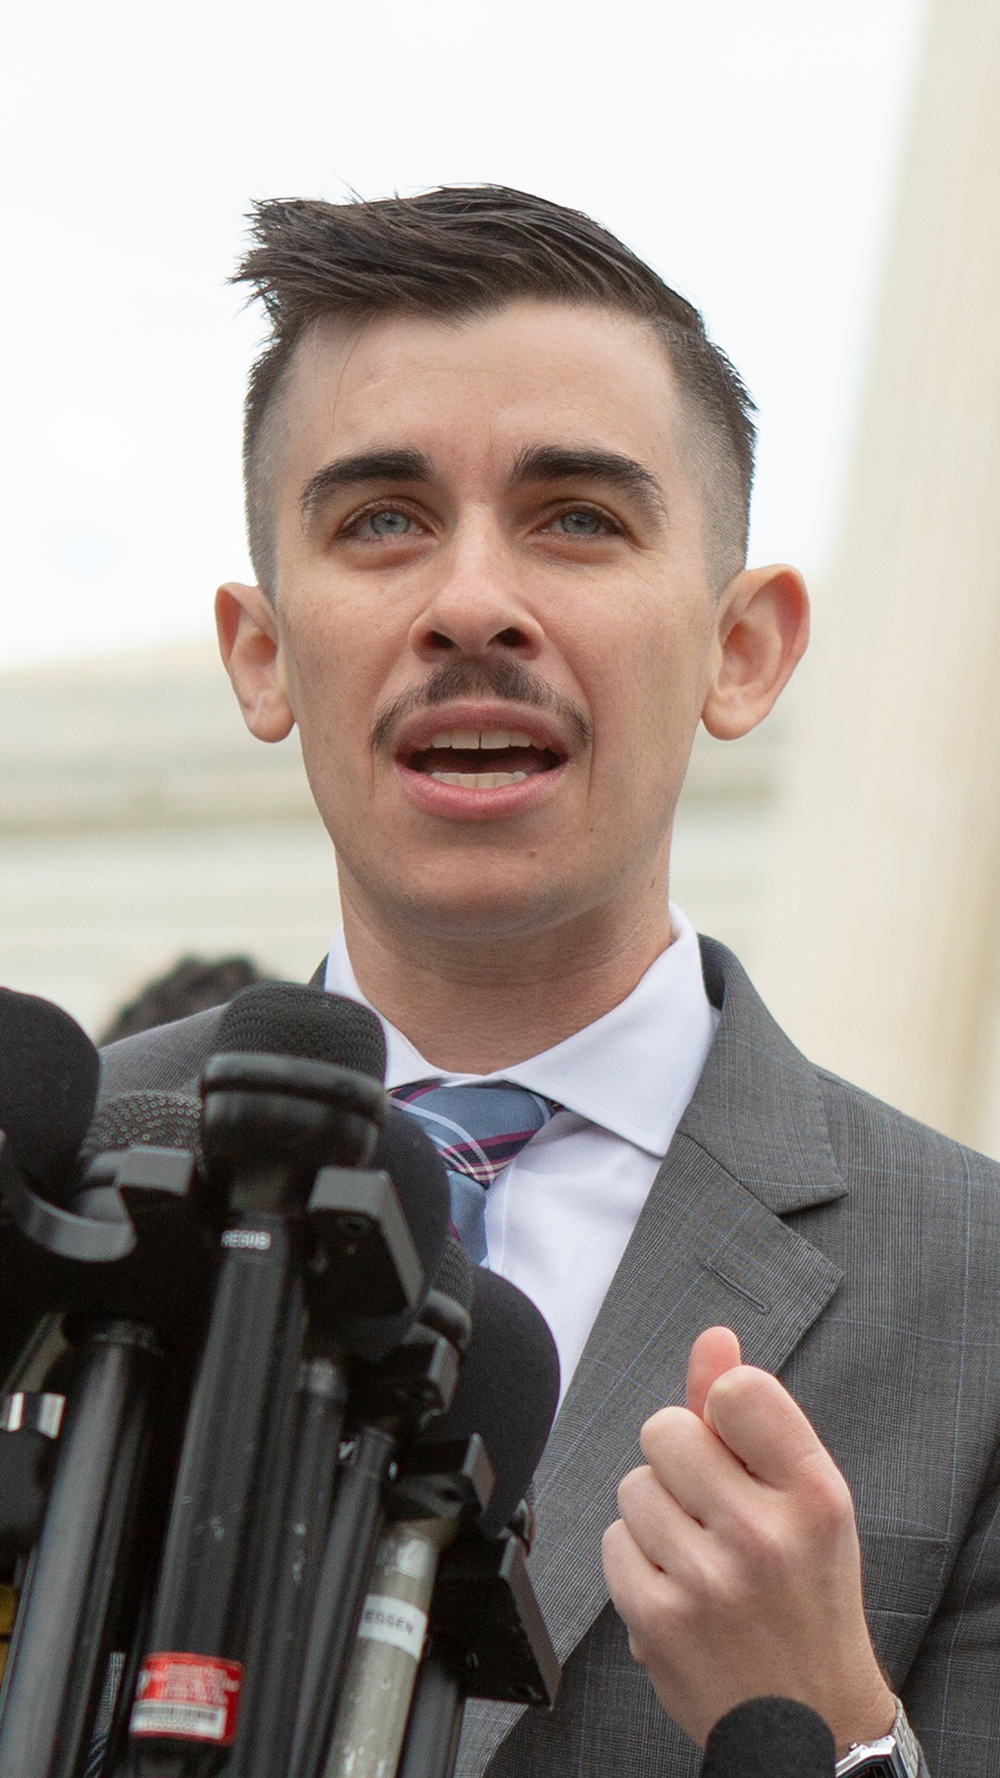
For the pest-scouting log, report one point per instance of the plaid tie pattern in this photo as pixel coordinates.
(477, 1130)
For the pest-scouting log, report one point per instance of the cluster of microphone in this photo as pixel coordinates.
(266, 1434)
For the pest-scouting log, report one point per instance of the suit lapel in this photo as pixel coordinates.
(708, 1249)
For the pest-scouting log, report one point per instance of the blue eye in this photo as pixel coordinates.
(580, 524)
(389, 523)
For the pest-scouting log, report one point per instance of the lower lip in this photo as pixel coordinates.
(457, 803)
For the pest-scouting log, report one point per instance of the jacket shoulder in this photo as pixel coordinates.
(168, 1057)
(869, 1136)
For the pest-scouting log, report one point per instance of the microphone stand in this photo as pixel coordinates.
(105, 1267)
(281, 1619)
(417, 1379)
(486, 1639)
(441, 1483)
(266, 1282)
(434, 1729)
(273, 1128)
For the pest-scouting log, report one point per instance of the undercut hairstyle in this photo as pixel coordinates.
(462, 251)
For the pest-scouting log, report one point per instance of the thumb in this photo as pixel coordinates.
(714, 1352)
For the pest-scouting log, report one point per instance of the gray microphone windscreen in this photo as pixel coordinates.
(145, 1119)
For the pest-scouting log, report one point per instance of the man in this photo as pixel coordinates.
(497, 487)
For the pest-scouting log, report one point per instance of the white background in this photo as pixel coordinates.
(747, 148)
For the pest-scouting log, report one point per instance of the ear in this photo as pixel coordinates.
(250, 646)
(762, 630)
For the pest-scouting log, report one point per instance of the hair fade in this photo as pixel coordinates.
(461, 250)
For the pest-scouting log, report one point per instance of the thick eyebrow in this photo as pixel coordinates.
(547, 463)
(368, 466)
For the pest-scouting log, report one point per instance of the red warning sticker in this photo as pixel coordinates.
(192, 1697)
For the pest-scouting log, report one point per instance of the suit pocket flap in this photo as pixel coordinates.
(903, 1573)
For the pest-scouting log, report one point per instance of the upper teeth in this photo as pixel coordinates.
(480, 780)
(469, 738)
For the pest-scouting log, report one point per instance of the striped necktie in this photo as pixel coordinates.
(477, 1130)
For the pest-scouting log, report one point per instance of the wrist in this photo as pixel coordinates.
(864, 1720)
(895, 1755)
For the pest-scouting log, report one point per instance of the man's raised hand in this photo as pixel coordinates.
(736, 1564)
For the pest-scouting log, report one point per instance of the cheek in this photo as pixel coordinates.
(647, 697)
(335, 668)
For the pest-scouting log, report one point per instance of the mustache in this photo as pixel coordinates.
(505, 679)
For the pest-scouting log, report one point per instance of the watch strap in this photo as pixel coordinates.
(907, 1742)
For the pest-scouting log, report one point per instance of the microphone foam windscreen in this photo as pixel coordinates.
(417, 1171)
(49, 1073)
(456, 1275)
(144, 1119)
(508, 1391)
(770, 1738)
(289, 1019)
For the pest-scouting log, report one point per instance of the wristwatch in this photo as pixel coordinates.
(896, 1755)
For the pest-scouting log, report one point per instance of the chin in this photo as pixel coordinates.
(482, 911)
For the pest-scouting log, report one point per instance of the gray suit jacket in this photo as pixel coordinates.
(857, 1255)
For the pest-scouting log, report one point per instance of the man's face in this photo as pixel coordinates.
(494, 621)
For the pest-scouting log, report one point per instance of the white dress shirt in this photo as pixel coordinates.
(559, 1218)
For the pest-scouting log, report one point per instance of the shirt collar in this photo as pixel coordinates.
(632, 1071)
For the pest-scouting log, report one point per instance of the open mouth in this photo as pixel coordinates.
(482, 759)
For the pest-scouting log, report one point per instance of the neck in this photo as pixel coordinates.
(472, 1007)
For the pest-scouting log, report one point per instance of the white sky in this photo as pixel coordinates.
(747, 148)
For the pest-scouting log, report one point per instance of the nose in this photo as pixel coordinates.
(477, 606)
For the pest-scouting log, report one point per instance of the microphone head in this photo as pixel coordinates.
(145, 1119)
(770, 1738)
(417, 1171)
(456, 1275)
(508, 1391)
(288, 1019)
(49, 1074)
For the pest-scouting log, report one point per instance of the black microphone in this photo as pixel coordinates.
(770, 1738)
(285, 1649)
(291, 1107)
(508, 1392)
(407, 1154)
(122, 1234)
(49, 1074)
(290, 1019)
(81, 1601)
(486, 1636)
(507, 1395)
(143, 1118)
(359, 1510)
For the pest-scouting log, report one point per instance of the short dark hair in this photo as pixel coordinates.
(462, 250)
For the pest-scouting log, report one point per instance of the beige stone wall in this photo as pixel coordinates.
(881, 943)
(139, 822)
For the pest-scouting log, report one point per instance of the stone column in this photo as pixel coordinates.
(879, 947)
